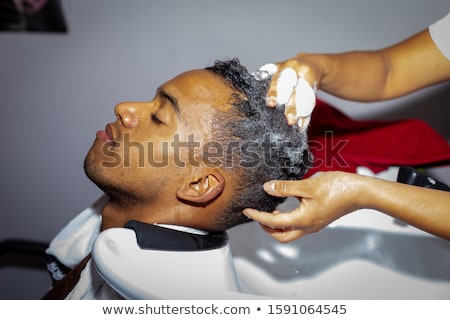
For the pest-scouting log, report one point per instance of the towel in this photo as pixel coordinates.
(338, 142)
(74, 242)
(91, 286)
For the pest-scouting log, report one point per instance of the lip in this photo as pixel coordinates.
(107, 135)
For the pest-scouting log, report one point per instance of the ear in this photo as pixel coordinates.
(203, 188)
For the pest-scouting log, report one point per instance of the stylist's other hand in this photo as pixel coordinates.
(294, 84)
(324, 197)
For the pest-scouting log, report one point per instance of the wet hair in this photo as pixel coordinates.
(264, 147)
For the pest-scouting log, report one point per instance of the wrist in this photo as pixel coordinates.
(316, 63)
(368, 191)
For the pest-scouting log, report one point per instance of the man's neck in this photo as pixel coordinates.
(117, 214)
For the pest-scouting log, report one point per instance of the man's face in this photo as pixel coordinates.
(153, 148)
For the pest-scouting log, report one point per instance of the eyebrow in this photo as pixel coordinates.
(173, 101)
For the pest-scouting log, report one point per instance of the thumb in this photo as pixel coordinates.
(285, 188)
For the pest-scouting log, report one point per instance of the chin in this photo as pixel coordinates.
(105, 181)
(96, 173)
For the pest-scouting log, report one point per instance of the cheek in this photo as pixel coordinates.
(188, 146)
(139, 153)
(157, 154)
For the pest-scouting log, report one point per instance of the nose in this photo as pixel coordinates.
(127, 113)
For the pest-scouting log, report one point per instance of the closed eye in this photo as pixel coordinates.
(156, 119)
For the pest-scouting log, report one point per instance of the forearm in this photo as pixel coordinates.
(356, 75)
(426, 209)
(388, 73)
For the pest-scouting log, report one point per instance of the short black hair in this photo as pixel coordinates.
(267, 148)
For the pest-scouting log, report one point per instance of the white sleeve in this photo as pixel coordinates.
(440, 33)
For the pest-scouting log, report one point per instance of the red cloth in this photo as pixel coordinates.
(341, 143)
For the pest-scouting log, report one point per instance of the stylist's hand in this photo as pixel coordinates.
(324, 198)
(294, 83)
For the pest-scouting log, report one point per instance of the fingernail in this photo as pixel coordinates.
(246, 213)
(291, 119)
(269, 186)
(271, 101)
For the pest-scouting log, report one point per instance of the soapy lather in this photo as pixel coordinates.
(294, 92)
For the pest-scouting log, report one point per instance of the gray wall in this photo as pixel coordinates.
(58, 90)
